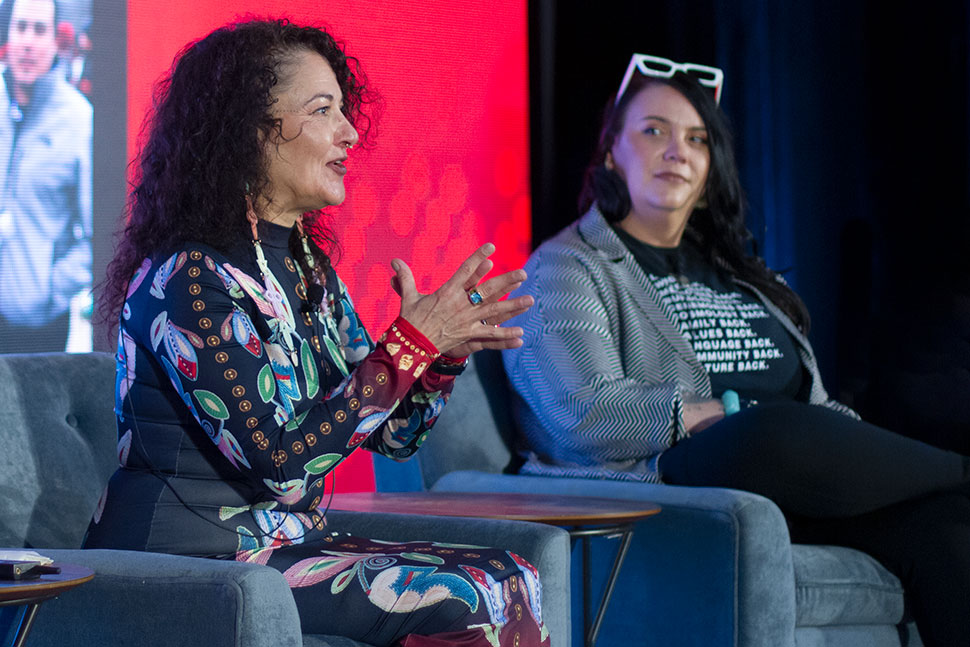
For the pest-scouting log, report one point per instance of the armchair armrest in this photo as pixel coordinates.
(715, 560)
(156, 600)
(545, 547)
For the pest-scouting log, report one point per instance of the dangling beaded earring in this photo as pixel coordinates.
(260, 257)
(332, 335)
(307, 256)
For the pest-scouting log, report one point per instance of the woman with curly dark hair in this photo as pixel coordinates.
(244, 373)
(663, 351)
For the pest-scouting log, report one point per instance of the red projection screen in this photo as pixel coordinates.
(449, 169)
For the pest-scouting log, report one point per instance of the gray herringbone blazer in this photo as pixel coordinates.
(604, 370)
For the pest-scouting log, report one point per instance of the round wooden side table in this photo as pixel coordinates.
(31, 593)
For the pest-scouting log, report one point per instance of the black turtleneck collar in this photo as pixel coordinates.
(272, 235)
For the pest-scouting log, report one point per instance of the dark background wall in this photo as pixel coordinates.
(851, 123)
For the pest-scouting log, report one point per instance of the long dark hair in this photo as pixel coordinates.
(717, 223)
(204, 151)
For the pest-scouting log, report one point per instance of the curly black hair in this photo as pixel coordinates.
(717, 225)
(205, 145)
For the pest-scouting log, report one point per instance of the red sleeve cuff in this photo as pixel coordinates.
(452, 361)
(402, 332)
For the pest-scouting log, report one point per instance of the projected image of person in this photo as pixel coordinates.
(663, 351)
(245, 374)
(45, 184)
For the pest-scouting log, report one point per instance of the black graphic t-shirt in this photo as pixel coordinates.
(742, 346)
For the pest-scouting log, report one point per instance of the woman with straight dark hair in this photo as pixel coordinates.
(663, 351)
(244, 373)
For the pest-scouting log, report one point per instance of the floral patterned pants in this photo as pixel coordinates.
(412, 594)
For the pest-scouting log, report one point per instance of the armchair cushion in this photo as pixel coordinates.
(149, 599)
(841, 586)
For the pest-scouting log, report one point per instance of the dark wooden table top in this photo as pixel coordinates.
(46, 586)
(543, 508)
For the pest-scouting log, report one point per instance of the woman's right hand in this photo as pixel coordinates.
(449, 319)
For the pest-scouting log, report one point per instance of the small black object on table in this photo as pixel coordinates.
(32, 584)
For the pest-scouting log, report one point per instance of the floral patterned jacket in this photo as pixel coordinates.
(236, 395)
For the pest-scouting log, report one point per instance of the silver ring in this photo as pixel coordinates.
(475, 297)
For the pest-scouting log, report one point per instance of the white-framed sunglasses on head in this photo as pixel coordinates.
(664, 68)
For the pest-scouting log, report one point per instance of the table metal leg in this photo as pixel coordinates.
(587, 593)
(625, 533)
(25, 623)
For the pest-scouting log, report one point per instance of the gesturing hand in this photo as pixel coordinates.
(449, 319)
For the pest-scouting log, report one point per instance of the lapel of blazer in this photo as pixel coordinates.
(598, 234)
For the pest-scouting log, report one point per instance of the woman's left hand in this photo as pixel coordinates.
(450, 320)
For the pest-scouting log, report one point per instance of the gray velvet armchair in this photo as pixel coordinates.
(715, 567)
(57, 431)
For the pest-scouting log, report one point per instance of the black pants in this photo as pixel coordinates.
(844, 482)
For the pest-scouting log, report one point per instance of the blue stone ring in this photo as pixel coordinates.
(475, 297)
